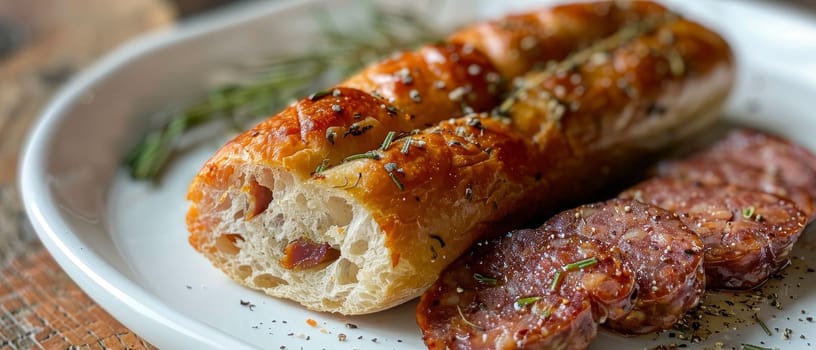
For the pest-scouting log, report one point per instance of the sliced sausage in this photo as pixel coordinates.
(748, 235)
(536, 289)
(667, 256)
(757, 161)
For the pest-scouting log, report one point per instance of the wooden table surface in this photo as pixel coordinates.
(42, 43)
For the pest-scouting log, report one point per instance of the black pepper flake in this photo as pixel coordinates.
(357, 115)
(189, 286)
(655, 109)
(390, 167)
(414, 94)
(475, 122)
(351, 326)
(391, 109)
(405, 76)
(330, 135)
(336, 108)
(438, 239)
(248, 304)
(469, 194)
(356, 130)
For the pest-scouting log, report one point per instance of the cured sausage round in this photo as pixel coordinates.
(757, 161)
(538, 289)
(667, 256)
(748, 235)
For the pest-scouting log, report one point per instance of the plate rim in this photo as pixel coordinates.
(131, 304)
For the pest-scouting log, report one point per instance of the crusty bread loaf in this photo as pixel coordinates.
(302, 208)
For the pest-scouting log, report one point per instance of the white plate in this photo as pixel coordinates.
(125, 244)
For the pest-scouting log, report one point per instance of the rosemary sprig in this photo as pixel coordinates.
(571, 267)
(556, 280)
(753, 347)
(323, 165)
(763, 325)
(581, 264)
(406, 145)
(388, 139)
(468, 322)
(748, 212)
(366, 155)
(526, 301)
(276, 82)
(396, 181)
(484, 279)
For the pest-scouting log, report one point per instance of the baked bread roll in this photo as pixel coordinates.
(341, 204)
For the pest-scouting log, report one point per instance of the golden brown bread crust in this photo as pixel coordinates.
(399, 219)
(468, 76)
(433, 83)
(521, 42)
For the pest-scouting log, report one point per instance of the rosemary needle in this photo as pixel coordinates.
(278, 81)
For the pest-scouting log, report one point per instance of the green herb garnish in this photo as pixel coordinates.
(753, 347)
(323, 165)
(581, 264)
(484, 279)
(387, 142)
(406, 145)
(366, 155)
(571, 267)
(526, 301)
(467, 322)
(556, 280)
(763, 325)
(546, 313)
(396, 181)
(748, 212)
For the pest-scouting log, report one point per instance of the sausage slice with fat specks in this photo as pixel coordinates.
(748, 235)
(667, 256)
(504, 293)
(757, 161)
